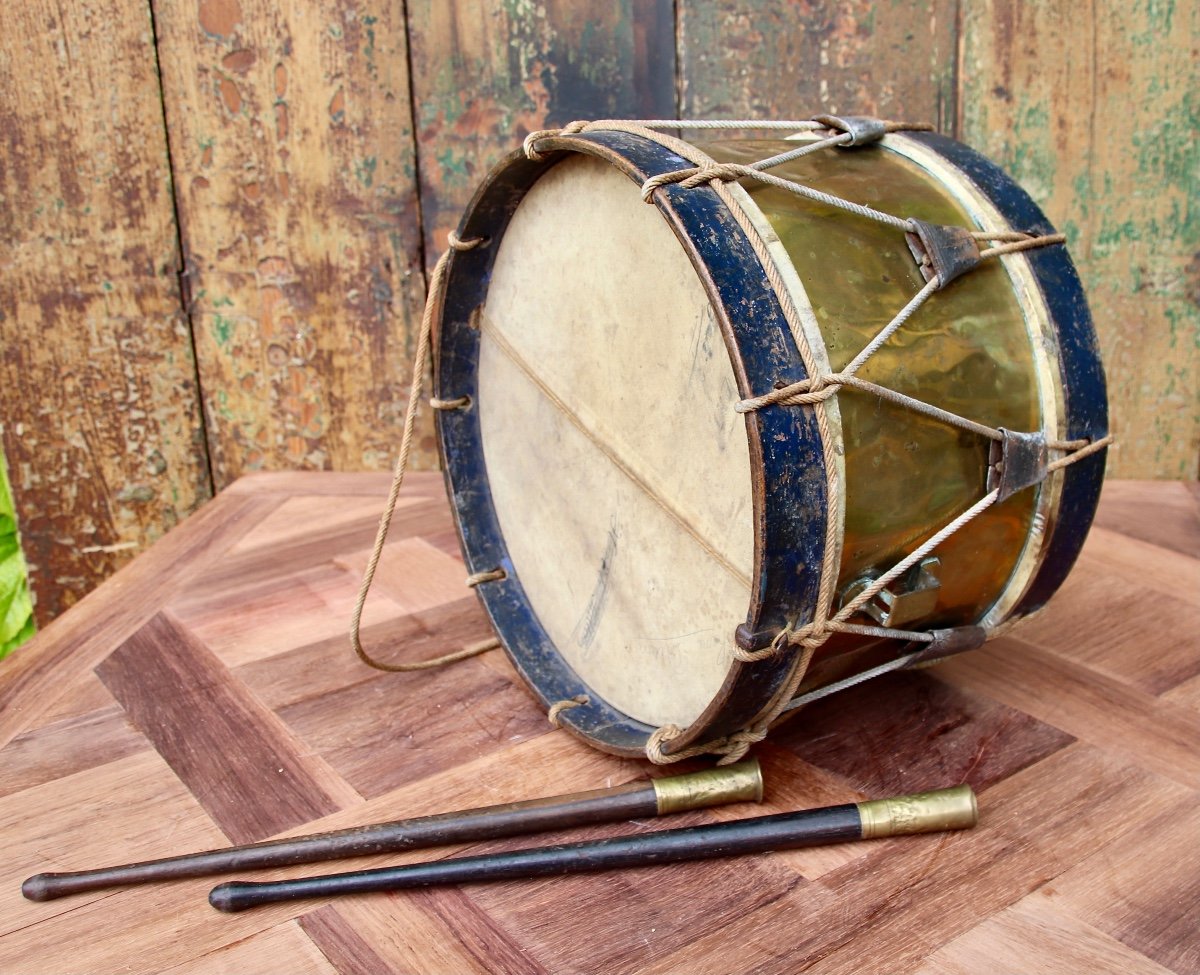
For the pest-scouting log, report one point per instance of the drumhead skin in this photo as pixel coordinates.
(636, 517)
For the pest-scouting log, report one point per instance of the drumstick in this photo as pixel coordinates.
(731, 783)
(924, 813)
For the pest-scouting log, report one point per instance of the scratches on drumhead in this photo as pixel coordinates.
(589, 623)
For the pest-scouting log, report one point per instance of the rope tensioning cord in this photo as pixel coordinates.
(814, 391)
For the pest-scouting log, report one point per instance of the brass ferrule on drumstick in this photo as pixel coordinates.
(732, 783)
(927, 812)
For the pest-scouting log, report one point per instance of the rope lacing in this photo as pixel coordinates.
(814, 391)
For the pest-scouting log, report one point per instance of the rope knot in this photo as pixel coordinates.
(710, 172)
(656, 741)
(821, 387)
(737, 744)
(694, 176)
(527, 146)
(806, 392)
(731, 748)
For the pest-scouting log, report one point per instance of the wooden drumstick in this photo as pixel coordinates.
(924, 813)
(741, 782)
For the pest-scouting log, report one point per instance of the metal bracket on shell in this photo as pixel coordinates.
(1015, 462)
(946, 643)
(862, 129)
(948, 252)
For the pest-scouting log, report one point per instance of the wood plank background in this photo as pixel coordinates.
(217, 214)
(206, 695)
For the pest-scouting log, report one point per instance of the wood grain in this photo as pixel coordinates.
(99, 410)
(379, 747)
(1156, 919)
(1093, 109)
(1065, 945)
(1084, 858)
(261, 953)
(66, 747)
(178, 696)
(485, 75)
(291, 140)
(60, 659)
(923, 734)
(341, 943)
(1127, 510)
(774, 59)
(1091, 706)
(310, 181)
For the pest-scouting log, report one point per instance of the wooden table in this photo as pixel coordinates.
(206, 695)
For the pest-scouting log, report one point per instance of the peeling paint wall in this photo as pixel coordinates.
(215, 215)
(1095, 109)
(486, 74)
(291, 142)
(99, 407)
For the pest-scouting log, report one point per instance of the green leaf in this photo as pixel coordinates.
(16, 607)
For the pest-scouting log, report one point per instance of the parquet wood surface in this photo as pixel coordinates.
(205, 695)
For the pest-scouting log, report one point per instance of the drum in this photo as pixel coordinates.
(729, 423)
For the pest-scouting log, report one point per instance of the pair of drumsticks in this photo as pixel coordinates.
(927, 812)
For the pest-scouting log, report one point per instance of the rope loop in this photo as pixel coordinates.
(731, 748)
(810, 635)
(527, 146)
(478, 578)
(658, 738)
(456, 243)
(437, 284)
(558, 707)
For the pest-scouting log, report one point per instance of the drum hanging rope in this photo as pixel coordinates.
(436, 284)
(942, 254)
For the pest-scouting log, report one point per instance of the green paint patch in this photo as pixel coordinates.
(1158, 16)
(453, 167)
(369, 23)
(222, 330)
(364, 170)
(224, 301)
(1030, 156)
(1113, 234)
(136, 494)
(448, 104)
(1071, 229)
(222, 406)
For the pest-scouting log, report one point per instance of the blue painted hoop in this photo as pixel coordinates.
(789, 477)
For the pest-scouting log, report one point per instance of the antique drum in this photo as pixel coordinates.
(729, 424)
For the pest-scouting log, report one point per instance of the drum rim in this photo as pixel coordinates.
(1080, 369)
(789, 511)
(748, 688)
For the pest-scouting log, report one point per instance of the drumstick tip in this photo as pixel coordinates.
(228, 897)
(39, 887)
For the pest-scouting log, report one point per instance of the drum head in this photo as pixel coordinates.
(627, 516)
(619, 469)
